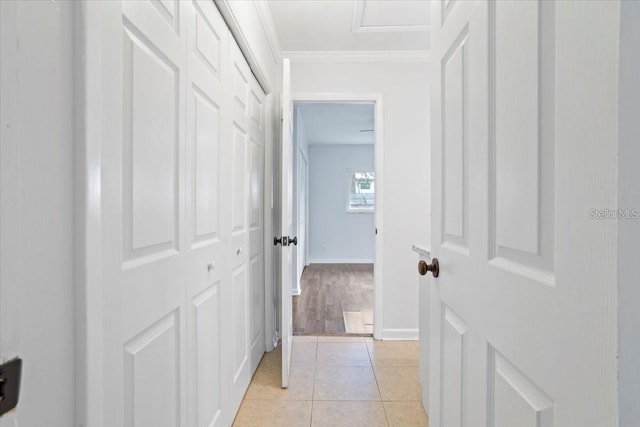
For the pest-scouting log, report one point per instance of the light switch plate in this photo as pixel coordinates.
(10, 374)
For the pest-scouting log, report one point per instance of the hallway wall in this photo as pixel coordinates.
(37, 208)
(336, 236)
(628, 231)
(405, 88)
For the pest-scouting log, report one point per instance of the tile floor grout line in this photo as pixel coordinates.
(313, 387)
(384, 410)
(371, 356)
(386, 419)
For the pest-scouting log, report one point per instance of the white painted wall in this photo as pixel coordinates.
(300, 200)
(405, 87)
(37, 208)
(629, 230)
(336, 236)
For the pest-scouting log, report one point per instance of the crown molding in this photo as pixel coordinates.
(358, 55)
(236, 31)
(269, 27)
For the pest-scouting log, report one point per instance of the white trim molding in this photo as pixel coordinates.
(269, 27)
(91, 108)
(334, 142)
(357, 27)
(357, 55)
(236, 30)
(342, 261)
(400, 334)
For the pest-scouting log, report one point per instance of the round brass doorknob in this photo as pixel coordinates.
(434, 267)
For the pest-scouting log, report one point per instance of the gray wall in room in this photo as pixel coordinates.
(334, 234)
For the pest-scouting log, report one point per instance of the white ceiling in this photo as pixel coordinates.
(396, 15)
(329, 123)
(356, 25)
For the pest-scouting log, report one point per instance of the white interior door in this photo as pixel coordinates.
(207, 218)
(523, 313)
(144, 213)
(143, 190)
(181, 195)
(286, 222)
(256, 176)
(240, 138)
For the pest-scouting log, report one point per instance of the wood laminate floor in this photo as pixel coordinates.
(330, 290)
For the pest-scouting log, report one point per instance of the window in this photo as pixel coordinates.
(361, 194)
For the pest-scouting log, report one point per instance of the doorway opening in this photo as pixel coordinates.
(337, 214)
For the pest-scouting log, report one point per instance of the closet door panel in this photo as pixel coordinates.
(208, 275)
(182, 217)
(141, 182)
(256, 223)
(238, 182)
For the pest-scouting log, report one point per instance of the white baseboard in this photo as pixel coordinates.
(341, 261)
(274, 342)
(297, 288)
(400, 334)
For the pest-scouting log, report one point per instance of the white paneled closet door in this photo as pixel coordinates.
(182, 311)
(238, 249)
(246, 250)
(256, 222)
(208, 222)
(142, 196)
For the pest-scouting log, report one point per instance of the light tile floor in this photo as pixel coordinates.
(337, 381)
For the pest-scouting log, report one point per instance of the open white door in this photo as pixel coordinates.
(286, 222)
(522, 326)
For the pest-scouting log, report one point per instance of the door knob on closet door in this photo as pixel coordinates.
(434, 267)
(293, 240)
(211, 266)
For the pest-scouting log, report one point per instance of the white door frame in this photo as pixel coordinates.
(305, 252)
(376, 100)
(270, 304)
(301, 157)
